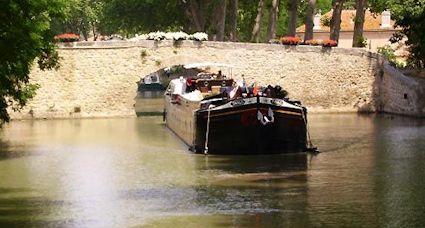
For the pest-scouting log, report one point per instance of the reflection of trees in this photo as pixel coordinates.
(25, 211)
(8, 152)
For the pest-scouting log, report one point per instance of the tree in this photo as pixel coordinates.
(220, 19)
(293, 14)
(359, 22)
(410, 16)
(129, 17)
(25, 36)
(196, 12)
(81, 17)
(257, 25)
(273, 16)
(337, 7)
(233, 19)
(308, 35)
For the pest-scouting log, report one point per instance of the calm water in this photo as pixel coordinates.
(135, 172)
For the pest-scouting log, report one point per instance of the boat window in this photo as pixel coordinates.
(154, 78)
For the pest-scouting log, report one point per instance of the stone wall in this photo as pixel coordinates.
(401, 94)
(98, 79)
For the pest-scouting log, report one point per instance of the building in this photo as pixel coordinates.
(378, 28)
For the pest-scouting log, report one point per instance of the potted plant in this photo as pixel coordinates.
(290, 40)
(199, 36)
(329, 43)
(314, 42)
(67, 37)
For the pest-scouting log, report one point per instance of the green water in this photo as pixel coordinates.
(134, 172)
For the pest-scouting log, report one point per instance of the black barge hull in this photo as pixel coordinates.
(237, 129)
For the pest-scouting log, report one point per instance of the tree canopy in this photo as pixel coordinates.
(25, 35)
(410, 16)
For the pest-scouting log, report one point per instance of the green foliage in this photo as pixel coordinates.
(410, 16)
(361, 42)
(81, 17)
(25, 35)
(133, 16)
(325, 21)
(129, 17)
(389, 54)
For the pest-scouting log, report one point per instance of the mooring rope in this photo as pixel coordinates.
(207, 133)
(310, 144)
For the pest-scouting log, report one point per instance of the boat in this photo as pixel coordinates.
(149, 99)
(213, 114)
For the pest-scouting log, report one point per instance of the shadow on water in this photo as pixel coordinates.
(254, 164)
(27, 211)
(9, 152)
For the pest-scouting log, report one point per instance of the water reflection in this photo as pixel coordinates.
(131, 172)
(400, 170)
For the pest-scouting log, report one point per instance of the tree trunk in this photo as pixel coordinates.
(336, 19)
(233, 20)
(197, 14)
(257, 25)
(309, 24)
(293, 14)
(274, 13)
(95, 34)
(221, 20)
(359, 22)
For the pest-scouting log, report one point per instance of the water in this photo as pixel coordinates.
(135, 172)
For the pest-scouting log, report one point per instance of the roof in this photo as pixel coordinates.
(372, 22)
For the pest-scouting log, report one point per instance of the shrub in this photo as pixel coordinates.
(361, 42)
(329, 43)
(290, 40)
(388, 53)
(67, 37)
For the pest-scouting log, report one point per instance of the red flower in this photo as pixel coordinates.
(67, 37)
(329, 43)
(291, 40)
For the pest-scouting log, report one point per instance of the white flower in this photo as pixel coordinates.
(199, 36)
(139, 37)
(157, 36)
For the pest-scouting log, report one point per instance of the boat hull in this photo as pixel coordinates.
(238, 130)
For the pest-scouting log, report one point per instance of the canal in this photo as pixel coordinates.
(134, 172)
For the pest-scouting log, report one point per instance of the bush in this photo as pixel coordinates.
(67, 37)
(329, 43)
(361, 42)
(290, 40)
(389, 54)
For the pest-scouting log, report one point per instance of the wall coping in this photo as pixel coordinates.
(212, 44)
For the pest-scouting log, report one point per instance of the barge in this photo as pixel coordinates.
(213, 114)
